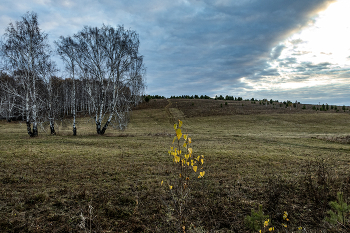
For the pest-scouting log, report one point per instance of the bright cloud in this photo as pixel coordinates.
(317, 56)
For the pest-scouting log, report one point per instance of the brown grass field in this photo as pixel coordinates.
(286, 160)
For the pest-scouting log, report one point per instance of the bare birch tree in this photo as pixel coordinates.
(26, 49)
(109, 59)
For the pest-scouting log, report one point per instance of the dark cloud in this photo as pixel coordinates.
(319, 66)
(276, 52)
(287, 62)
(269, 72)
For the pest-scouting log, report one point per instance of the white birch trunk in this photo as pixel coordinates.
(74, 105)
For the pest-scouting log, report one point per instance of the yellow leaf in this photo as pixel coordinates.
(190, 150)
(198, 158)
(180, 123)
(179, 152)
(185, 136)
(195, 168)
(177, 158)
(187, 156)
(189, 140)
(202, 161)
(180, 175)
(185, 144)
(191, 162)
(188, 163)
(178, 134)
(175, 126)
(174, 139)
(202, 156)
(170, 187)
(202, 173)
(161, 183)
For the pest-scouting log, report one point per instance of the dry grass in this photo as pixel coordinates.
(46, 182)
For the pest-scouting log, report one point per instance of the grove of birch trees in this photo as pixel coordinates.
(104, 68)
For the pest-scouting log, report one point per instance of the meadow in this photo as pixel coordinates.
(286, 160)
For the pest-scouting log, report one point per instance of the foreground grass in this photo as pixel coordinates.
(274, 160)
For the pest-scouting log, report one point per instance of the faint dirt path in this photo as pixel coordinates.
(174, 113)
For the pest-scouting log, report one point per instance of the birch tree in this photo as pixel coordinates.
(66, 48)
(109, 59)
(26, 49)
(8, 102)
(125, 73)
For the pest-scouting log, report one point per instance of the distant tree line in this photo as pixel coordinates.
(147, 98)
(326, 107)
(190, 97)
(287, 103)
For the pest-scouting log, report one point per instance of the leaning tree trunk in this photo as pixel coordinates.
(114, 104)
(106, 125)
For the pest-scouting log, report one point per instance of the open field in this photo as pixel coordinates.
(286, 160)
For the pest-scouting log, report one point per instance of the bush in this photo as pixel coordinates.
(256, 220)
(341, 208)
(225, 103)
(179, 187)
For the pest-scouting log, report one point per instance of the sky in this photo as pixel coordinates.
(275, 49)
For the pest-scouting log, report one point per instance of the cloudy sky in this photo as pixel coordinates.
(274, 49)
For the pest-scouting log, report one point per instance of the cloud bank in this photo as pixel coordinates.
(248, 48)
